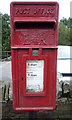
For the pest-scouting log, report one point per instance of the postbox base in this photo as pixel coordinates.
(34, 108)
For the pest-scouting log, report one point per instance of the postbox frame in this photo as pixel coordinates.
(16, 48)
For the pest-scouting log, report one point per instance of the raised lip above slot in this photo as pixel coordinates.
(34, 19)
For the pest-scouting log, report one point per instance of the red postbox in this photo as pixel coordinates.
(34, 40)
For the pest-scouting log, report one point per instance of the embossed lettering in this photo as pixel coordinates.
(17, 11)
(35, 11)
(38, 38)
(52, 10)
(22, 11)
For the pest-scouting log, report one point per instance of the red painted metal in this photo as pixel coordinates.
(34, 25)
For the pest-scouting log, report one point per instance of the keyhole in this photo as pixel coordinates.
(22, 78)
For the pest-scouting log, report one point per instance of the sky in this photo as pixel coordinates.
(64, 7)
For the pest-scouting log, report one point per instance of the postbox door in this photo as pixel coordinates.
(32, 79)
(30, 94)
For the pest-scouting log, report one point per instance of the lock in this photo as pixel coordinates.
(22, 78)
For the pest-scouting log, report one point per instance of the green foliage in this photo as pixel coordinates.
(0, 31)
(0, 34)
(5, 32)
(71, 31)
(65, 31)
(64, 34)
(66, 22)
